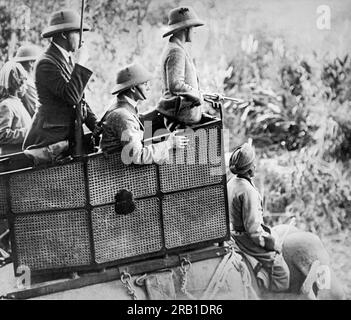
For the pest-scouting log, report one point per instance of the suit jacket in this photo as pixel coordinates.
(123, 131)
(59, 89)
(14, 123)
(179, 78)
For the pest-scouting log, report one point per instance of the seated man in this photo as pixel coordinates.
(181, 101)
(26, 56)
(121, 128)
(246, 214)
(14, 118)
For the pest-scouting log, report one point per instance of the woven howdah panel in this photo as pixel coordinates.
(122, 236)
(52, 240)
(199, 164)
(60, 187)
(3, 199)
(194, 216)
(109, 175)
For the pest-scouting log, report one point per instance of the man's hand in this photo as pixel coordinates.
(197, 99)
(178, 142)
(82, 56)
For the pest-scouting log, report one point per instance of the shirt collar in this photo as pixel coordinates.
(64, 52)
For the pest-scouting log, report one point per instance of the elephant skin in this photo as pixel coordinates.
(300, 250)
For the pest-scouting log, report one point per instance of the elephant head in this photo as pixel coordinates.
(309, 263)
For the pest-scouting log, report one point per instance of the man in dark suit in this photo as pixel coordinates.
(60, 85)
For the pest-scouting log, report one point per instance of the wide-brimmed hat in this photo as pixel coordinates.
(131, 76)
(181, 18)
(242, 159)
(63, 20)
(27, 53)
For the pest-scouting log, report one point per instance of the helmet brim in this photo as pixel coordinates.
(51, 30)
(132, 83)
(183, 25)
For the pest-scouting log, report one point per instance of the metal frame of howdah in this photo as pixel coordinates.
(66, 217)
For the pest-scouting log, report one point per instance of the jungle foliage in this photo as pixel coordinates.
(299, 121)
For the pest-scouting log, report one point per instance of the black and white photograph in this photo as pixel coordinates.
(188, 152)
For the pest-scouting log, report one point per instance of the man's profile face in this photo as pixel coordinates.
(73, 40)
(189, 34)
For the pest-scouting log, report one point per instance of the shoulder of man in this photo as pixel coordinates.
(242, 186)
(45, 61)
(120, 114)
(174, 48)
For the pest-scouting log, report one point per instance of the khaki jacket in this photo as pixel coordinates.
(251, 235)
(179, 78)
(246, 214)
(123, 131)
(14, 123)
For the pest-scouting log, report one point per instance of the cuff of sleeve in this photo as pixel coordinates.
(80, 69)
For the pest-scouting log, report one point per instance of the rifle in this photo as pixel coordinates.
(209, 97)
(217, 99)
(78, 124)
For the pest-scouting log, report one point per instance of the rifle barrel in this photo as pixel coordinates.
(81, 24)
(215, 97)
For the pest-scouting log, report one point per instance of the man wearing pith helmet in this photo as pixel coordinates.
(122, 128)
(246, 214)
(27, 55)
(181, 98)
(60, 79)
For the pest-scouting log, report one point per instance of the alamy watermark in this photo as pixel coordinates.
(205, 148)
(323, 21)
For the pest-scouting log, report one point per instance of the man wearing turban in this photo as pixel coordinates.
(246, 214)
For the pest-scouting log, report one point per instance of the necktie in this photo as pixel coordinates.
(70, 62)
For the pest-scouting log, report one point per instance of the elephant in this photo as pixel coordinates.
(228, 277)
(305, 253)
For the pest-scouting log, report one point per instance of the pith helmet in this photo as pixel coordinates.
(63, 20)
(242, 159)
(27, 53)
(181, 18)
(131, 76)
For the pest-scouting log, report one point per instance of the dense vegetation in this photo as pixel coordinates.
(299, 122)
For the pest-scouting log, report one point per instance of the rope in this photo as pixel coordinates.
(220, 275)
(216, 279)
(247, 282)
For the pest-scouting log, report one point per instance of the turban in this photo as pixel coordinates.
(242, 159)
